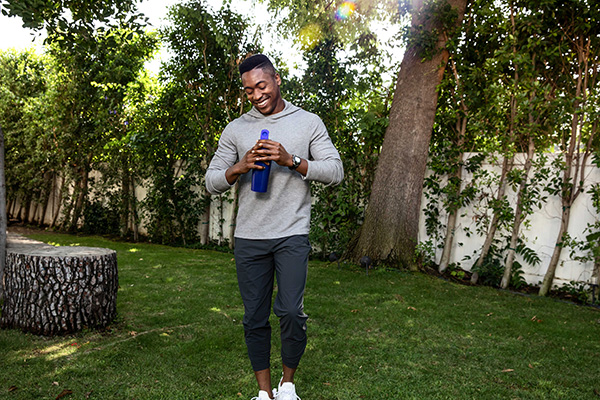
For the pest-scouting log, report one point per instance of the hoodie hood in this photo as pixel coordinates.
(289, 109)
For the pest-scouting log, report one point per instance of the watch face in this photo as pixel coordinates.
(295, 161)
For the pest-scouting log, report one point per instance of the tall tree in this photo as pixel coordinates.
(389, 232)
(352, 103)
(23, 83)
(200, 94)
(78, 31)
(575, 72)
(531, 106)
(88, 105)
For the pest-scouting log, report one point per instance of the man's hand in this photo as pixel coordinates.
(269, 150)
(265, 151)
(247, 163)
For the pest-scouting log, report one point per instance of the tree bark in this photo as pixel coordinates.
(58, 290)
(507, 166)
(549, 276)
(69, 201)
(461, 128)
(390, 231)
(452, 217)
(448, 241)
(519, 217)
(574, 175)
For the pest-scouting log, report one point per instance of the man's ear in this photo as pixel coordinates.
(278, 79)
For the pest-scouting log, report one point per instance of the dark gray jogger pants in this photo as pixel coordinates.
(257, 263)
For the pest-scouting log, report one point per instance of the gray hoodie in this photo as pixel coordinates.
(284, 210)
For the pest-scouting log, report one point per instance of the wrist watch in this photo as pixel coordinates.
(295, 162)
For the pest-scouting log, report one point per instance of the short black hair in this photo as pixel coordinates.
(257, 61)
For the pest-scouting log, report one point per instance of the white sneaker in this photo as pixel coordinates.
(262, 395)
(286, 391)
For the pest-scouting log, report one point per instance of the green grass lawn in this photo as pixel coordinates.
(391, 335)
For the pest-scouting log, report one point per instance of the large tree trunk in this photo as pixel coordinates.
(57, 290)
(390, 230)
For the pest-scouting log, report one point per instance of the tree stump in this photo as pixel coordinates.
(58, 290)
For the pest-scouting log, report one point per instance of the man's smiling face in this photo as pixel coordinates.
(262, 89)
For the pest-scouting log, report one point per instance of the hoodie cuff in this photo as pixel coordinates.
(310, 172)
(220, 183)
(328, 172)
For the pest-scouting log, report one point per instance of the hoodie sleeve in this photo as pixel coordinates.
(225, 156)
(325, 164)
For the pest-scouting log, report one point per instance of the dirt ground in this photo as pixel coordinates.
(24, 230)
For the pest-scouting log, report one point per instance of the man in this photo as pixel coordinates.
(271, 234)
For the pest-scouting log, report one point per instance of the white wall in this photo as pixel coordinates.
(540, 236)
(226, 212)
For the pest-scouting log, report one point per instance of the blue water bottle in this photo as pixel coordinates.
(260, 177)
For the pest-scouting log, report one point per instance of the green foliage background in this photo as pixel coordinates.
(159, 133)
